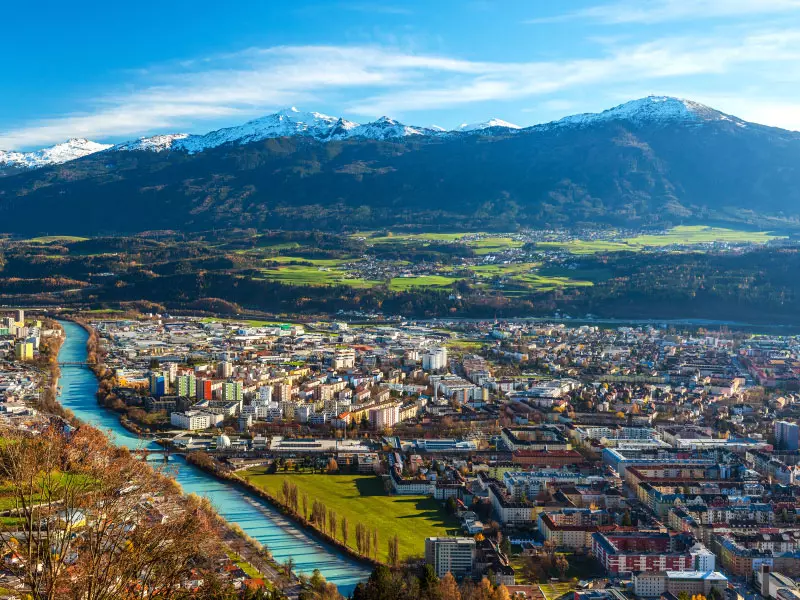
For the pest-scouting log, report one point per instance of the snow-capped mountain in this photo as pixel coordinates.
(388, 129)
(654, 110)
(651, 161)
(155, 143)
(285, 123)
(53, 155)
(469, 127)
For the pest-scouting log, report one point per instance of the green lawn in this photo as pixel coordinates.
(313, 275)
(543, 283)
(317, 262)
(686, 235)
(491, 271)
(490, 245)
(245, 566)
(251, 322)
(406, 283)
(700, 234)
(465, 345)
(487, 244)
(362, 499)
(47, 239)
(552, 591)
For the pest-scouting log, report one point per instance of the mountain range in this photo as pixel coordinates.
(284, 123)
(655, 160)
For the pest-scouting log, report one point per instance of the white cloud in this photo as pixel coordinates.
(660, 11)
(388, 81)
(663, 59)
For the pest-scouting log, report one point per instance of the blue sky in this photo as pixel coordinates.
(111, 71)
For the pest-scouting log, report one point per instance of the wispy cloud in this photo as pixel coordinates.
(390, 81)
(661, 11)
(375, 8)
(659, 60)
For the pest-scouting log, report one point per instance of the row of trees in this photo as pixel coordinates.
(387, 584)
(327, 520)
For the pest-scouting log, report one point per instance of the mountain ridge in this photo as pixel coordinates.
(293, 122)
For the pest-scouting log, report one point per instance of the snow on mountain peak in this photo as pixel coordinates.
(155, 143)
(653, 110)
(467, 127)
(292, 122)
(53, 155)
(386, 128)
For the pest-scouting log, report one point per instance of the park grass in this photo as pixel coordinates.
(486, 244)
(313, 275)
(250, 322)
(682, 235)
(552, 591)
(490, 245)
(363, 499)
(317, 262)
(245, 566)
(492, 271)
(406, 283)
(49, 239)
(465, 345)
(701, 234)
(543, 283)
(527, 275)
(588, 246)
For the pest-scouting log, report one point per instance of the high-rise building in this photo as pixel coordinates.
(435, 359)
(384, 416)
(265, 394)
(23, 351)
(283, 392)
(225, 369)
(232, 391)
(344, 358)
(171, 372)
(186, 386)
(205, 389)
(787, 435)
(19, 317)
(454, 555)
(158, 384)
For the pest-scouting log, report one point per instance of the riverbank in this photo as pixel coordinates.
(257, 518)
(211, 466)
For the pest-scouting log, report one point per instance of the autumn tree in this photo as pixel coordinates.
(75, 497)
(448, 588)
(345, 530)
(394, 551)
(332, 522)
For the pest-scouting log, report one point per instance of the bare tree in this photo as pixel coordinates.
(88, 521)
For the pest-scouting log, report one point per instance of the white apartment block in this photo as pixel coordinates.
(191, 419)
(435, 359)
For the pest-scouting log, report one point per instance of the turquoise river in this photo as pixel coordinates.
(256, 517)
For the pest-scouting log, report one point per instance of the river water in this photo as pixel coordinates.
(256, 517)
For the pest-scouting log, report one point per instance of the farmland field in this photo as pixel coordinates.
(313, 275)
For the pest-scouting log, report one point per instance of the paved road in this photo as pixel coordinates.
(247, 552)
